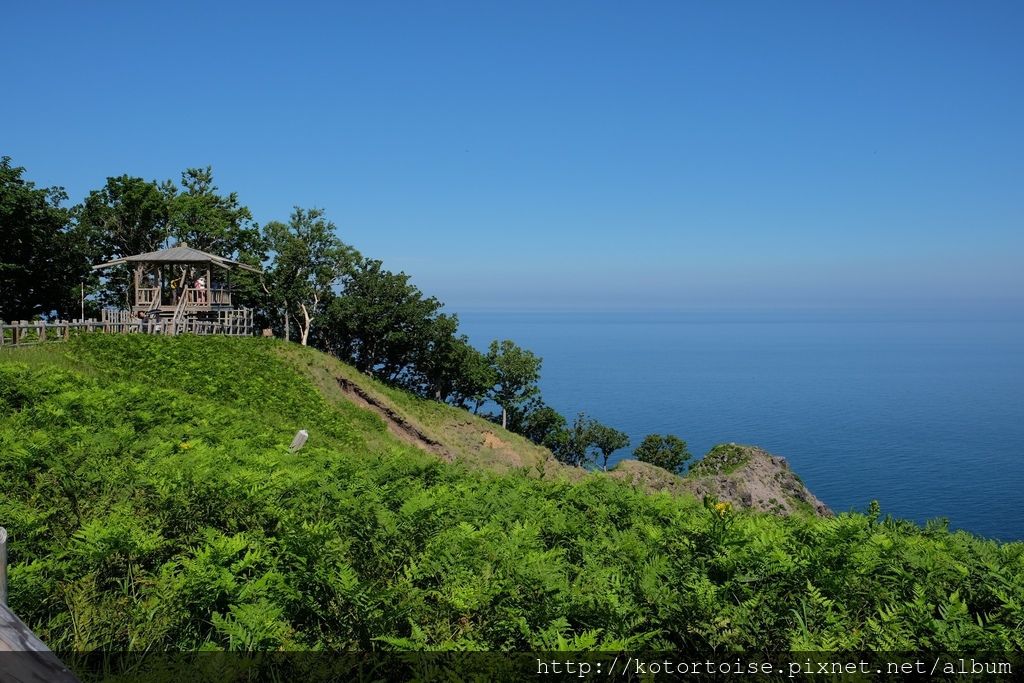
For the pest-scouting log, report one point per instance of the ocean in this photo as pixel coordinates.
(926, 416)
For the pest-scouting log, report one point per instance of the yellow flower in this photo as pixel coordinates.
(723, 508)
(185, 445)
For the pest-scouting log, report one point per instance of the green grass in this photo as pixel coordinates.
(152, 503)
(471, 438)
(724, 458)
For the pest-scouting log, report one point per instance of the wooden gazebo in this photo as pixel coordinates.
(181, 289)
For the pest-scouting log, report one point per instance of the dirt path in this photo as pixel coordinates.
(396, 424)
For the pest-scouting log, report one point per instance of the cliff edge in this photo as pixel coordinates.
(746, 476)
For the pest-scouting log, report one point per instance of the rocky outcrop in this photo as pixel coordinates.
(745, 476)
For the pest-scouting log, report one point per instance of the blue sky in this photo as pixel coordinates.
(569, 155)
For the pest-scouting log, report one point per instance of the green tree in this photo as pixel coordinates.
(540, 423)
(205, 219)
(383, 325)
(309, 262)
(472, 376)
(606, 440)
(42, 255)
(127, 216)
(572, 445)
(448, 367)
(209, 221)
(668, 452)
(516, 372)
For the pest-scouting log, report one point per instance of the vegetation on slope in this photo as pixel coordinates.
(469, 438)
(153, 503)
(313, 288)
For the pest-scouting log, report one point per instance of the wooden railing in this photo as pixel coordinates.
(152, 297)
(147, 296)
(221, 296)
(233, 322)
(201, 298)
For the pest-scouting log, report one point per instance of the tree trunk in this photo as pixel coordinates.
(306, 324)
(504, 418)
(287, 324)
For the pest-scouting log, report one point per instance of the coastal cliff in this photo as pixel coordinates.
(746, 476)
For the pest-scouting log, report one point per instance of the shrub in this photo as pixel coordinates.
(668, 452)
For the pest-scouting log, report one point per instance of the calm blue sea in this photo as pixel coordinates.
(925, 416)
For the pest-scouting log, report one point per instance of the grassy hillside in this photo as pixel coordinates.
(463, 436)
(152, 502)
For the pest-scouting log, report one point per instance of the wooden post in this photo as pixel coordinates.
(138, 282)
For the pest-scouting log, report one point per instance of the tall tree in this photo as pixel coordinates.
(472, 377)
(128, 215)
(517, 372)
(384, 325)
(449, 367)
(309, 262)
(42, 257)
(210, 221)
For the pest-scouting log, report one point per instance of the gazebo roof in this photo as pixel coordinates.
(179, 254)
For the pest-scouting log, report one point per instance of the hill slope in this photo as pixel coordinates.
(152, 503)
(745, 476)
(448, 432)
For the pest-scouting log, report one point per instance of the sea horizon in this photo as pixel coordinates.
(924, 415)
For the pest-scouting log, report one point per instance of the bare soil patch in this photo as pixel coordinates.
(492, 441)
(398, 426)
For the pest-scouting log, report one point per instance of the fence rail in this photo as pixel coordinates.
(235, 323)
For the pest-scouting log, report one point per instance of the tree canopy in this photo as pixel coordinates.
(516, 371)
(127, 216)
(607, 440)
(382, 322)
(209, 221)
(309, 262)
(666, 451)
(43, 258)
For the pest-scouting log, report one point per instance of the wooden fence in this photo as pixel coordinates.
(236, 322)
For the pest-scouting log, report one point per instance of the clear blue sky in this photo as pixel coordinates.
(564, 155)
